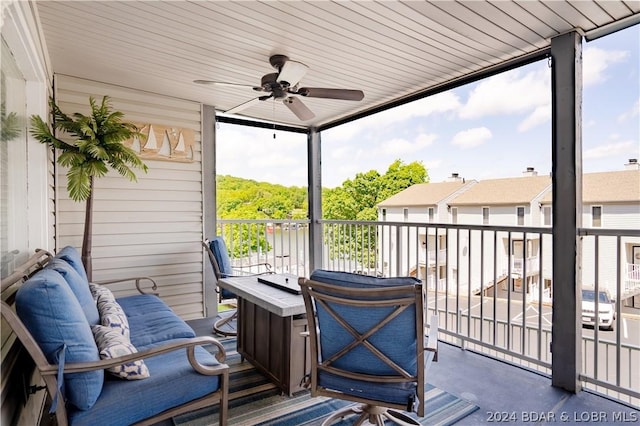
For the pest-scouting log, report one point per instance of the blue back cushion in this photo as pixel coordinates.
(219, 249)
(72, 257)
(347, 279)
(80, 288)
(397, 339)
(52, 314)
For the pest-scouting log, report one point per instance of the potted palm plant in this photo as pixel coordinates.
(96, 145)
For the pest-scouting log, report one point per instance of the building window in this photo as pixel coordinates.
(546, 214)
(520, 214)
(596, 216)
(485, 215)
(405, 214)
(384, 215)
(431, 213)
(454, 215)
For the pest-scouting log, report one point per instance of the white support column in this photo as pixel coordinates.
(314, 168)
(209, 202)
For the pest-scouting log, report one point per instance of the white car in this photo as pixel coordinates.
(606, 308)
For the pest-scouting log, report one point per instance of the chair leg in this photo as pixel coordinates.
(219, 326)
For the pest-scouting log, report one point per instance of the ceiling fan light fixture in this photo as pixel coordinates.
(291, 73)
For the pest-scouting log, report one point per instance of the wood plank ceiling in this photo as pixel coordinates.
(388, 49)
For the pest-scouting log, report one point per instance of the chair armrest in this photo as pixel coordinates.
(432, 342)
(137, 280)
(178, 344)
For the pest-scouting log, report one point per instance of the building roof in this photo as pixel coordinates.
(508, 191)
(608, 187)
(424, 194)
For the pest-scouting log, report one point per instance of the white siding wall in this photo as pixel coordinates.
(152, 227)
(614, 216)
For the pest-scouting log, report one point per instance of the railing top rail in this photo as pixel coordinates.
(505, 228)
(264, 221)
(609, 232)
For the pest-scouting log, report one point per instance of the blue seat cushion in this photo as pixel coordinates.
(171, 383)
(397, 393)
(151, 321)
(72, 257)
(80, 288)
(52, 314)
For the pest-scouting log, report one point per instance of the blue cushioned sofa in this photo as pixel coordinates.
(55, 313)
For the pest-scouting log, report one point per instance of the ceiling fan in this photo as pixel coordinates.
(283, 85)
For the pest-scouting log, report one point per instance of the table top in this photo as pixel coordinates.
(276, 301)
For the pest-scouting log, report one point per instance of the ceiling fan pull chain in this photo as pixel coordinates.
(274, 118)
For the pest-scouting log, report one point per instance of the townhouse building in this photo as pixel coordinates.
(512, 218)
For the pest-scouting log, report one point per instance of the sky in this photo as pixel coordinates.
(494, 128)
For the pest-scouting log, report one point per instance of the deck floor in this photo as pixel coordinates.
(505, 393)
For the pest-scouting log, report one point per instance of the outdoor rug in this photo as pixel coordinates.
(255, 401)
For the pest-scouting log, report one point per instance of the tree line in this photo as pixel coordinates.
(356, 199)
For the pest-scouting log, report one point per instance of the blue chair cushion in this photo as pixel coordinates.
(219, 249)
(151, 321)
(397, 339)
(348, 279)
(72, 257)
(397, 393)
(171, 383)
(80, 288)
(52, 314)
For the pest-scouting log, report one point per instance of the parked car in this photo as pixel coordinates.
(606, 308)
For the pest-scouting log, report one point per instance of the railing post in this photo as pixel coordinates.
(315, 200)
(566, 95)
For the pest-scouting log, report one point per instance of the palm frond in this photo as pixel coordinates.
(41, 132)
(78, 183)
(97, 146)
(71, 159)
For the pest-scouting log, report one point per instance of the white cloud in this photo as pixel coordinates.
(472, 137)
(253, 153)
(540, 115)
(596, 61)
(509, 93)
(440, 103)
(612, 149)
(397, 147)
(633, 112)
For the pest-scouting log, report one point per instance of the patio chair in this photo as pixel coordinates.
(221, 264)
(367, 344)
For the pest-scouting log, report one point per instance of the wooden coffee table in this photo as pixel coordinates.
(271, 323)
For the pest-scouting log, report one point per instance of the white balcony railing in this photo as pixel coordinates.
(487, 299)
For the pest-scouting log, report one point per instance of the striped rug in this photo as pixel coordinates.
(255, 401)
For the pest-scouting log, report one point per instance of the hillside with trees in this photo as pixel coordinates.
(356, 199)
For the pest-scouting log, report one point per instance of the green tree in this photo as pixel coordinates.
(97, 145)
(239, 198)
(357, 199)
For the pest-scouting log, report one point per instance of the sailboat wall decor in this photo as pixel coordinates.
(163, 143)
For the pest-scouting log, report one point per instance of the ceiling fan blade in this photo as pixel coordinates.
(344, 94)
(244, 105)
(298, 108)
(221, 83)
(292, 72)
